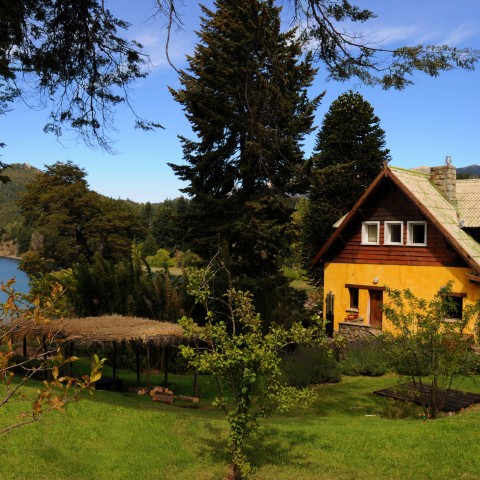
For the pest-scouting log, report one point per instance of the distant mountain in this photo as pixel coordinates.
(471, 171)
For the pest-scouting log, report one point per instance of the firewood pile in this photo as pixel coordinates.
(161, 394)
(165, 395)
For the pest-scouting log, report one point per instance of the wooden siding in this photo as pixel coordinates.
(389, 204)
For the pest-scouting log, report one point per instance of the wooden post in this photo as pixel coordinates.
(114, 362)
(137, 355)
(330, 305)
(195, 375)
(195, 383)
(165, 363)
(71, 355)
(148, 365)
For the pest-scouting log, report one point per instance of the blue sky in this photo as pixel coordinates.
(424, 123)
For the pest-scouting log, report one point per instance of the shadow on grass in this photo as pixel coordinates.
(276, 447)
(271, 446)
(353, 396)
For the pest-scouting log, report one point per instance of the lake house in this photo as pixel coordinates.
(410, 229)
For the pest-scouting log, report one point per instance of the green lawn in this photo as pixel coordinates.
(345, 435)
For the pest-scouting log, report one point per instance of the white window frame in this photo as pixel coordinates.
(410, 233)
(365, 240)
(387, 234)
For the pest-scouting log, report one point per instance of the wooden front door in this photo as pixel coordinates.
(376, 298)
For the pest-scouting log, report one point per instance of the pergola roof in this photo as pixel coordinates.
(108, 328)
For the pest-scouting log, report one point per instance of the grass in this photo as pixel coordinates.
(301, 284)
(345, 435)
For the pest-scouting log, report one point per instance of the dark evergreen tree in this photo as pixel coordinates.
(348, 155)
(167, 225)
(245, 94)
(149, 246)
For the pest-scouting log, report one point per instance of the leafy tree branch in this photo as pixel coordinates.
(230, 344)
(18, 317)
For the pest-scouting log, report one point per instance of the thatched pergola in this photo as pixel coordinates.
(112, 329)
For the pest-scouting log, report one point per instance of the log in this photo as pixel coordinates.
(186, 398)
(163, 397)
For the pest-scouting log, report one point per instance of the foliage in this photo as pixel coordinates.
(329, 27)
(250, 111)
(161, 259)
(187, 259)
(45, 358)
(245, 362)
(69, 54)
(11, 221)
(127, 287)
(349, 153)
(366, 357)
(149, 246)
(307, 365)
(166, 222)
(427, 342)
(71, 222)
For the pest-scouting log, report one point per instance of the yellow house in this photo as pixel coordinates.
(410, 229)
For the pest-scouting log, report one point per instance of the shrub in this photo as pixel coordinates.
(187, 259)
(427, 343)
(306, 365)
(366, 357)
(162, 259)
(403, 360)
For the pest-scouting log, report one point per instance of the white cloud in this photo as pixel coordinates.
(388, 35)
(460, 34)
(154, 41)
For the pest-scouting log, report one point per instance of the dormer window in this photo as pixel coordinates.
(370, 233)
(393, 233)
(417, 233)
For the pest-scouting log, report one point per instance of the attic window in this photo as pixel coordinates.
(417, 233)
(393, 233)
(370, 233)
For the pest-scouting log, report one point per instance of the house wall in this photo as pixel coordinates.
(423, 281)
(389, 204)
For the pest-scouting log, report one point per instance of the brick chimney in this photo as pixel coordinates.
(445, 179)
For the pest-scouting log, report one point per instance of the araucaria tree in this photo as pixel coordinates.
(245, 94)
(348, 154)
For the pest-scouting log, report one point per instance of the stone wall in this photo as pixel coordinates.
(353, 331)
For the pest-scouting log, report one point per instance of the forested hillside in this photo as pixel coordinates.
(11, 221)
(19, 174)
(472, 171)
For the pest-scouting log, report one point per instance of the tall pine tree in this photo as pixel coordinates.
(348, 155)
(245, 94)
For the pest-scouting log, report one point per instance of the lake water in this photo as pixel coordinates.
(9, 269)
